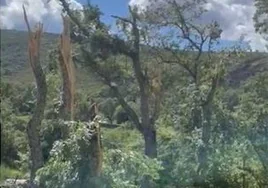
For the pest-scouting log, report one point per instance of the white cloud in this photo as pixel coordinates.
(11, 14)
(234, 16)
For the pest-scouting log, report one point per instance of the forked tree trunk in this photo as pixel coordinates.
(36, 155)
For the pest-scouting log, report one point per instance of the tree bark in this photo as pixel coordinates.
(67, 70)
(36, 155)
(150, 142)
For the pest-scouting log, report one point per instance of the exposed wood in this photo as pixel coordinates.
(36, 155)
(67, 70)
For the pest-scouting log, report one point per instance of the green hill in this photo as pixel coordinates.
(14, 54)
(14, 58)
(15, 67)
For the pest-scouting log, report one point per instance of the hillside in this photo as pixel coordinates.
(14, 50)
(14, 58)
(14, 66)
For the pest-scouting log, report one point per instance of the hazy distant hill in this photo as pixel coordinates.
(14, 54)
(14, 58)
(15, 67)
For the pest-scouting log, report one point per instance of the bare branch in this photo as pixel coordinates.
(122, 19)
(26, 20)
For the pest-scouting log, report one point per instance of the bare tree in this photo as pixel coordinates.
(67, 70)
(36, 155)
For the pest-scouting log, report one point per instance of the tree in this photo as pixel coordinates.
(98, 46)
(34, 124)
(261, 16)
(178, 38)
(251, 113)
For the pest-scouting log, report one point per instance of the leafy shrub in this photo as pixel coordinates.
(67, 161)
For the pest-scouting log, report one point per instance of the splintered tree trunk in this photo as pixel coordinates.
(67, 70)
(91, 152)
(36, 155)
(96, 152)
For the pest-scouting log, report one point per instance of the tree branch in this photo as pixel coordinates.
(66, 8)
(122, 19)
(107, 81)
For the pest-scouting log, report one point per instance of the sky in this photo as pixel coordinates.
(234, 16)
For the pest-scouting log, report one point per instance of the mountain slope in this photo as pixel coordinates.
(14, 59)
(15, 67)
(14, 53)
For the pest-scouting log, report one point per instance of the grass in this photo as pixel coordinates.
(7, 173)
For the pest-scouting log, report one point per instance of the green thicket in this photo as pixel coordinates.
(212, 124)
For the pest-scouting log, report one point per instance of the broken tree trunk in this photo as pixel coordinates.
(96, 153)
(36, 155)
(91, 154)
(67, 70)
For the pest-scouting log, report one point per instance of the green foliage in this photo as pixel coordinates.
(108, 107)
(121, 168)
(61, 168)
(13, 137)
(7, 172)
(238, 142)
(260, 16)
(122, 138)
(126, 168)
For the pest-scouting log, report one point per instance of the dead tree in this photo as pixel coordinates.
(36, 155)
(67, 71)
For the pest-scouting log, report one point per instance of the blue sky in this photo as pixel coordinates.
(111, 7)
(120, 7)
